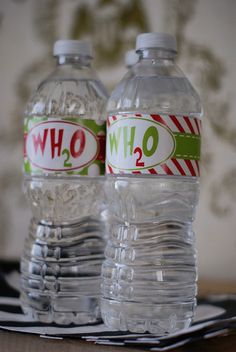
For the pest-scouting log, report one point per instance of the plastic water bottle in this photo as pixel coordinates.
(152, 160)
(64, 160)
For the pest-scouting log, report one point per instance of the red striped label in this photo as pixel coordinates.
(159, 119)
(189, 123)
(110, 169)
(153, 144)
(166, 169)
(179, 167)
(177, 123)
(152, 171)
(190, 167)
(198, 124)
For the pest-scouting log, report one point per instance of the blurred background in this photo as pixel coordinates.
(205, 31)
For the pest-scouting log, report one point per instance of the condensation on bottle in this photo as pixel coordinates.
(64, 163)
(152, 164)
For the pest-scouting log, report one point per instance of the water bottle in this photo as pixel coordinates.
(152, 164)
(64, 165)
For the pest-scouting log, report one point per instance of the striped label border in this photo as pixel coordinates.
(185, 159)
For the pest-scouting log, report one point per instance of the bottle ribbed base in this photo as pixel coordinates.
(158, 319)
(86, 311)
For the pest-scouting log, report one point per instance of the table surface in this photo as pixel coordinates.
(19, 342)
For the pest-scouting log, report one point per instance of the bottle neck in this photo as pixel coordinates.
(156, 54)
(74, 60)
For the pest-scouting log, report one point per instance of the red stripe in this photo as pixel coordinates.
(108, 122)
(136, 172)
(102, 148)
(114, 118)
(190, 167)
(198, 127)
(159, 119)
(179, 167)
(152, 171)
(24, 150)
(199, 122)
(110, 169)
(177, 124)
(166, 169)
(198, 168)
(139, 115)
(188, 122)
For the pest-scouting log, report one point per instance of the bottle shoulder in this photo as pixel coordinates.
(69, 91)
(157, 89)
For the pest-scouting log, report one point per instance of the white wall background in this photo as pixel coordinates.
(212, 25)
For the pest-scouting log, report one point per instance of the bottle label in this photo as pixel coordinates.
(69, 145)
(153, 144)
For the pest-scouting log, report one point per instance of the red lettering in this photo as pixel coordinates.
(38, 141)
(56, 144)
(78, 135)
(140, 154)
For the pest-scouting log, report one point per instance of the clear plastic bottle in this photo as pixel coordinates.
(152, 159)
(64, 164)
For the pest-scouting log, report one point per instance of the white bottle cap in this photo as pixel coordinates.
(156, 40)
(131, 57)
(72, 47)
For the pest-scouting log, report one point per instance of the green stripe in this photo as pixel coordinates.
(188, 146)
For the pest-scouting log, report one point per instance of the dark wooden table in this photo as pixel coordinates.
(19, 342)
